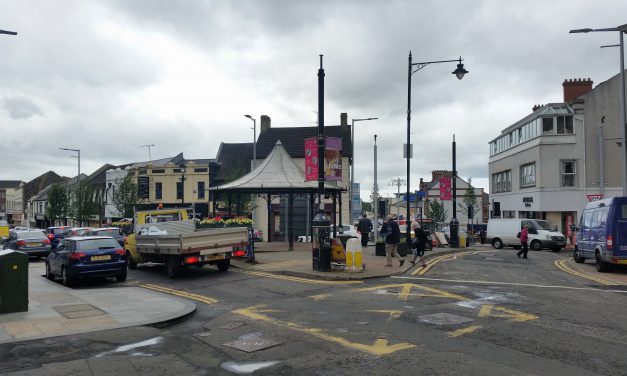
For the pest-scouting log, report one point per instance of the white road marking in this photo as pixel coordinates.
(505, 284)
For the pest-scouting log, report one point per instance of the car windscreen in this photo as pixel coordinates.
(107, 232)
(58, 231)
(623, 211)
(544, 225)
(31, 235)
(90, 244)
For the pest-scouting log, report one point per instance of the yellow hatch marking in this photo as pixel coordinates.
(406, 291)
(189, 295)
(319, 297)
(393, 314)
(504, 313)
(300, 280)
(379, 347)
(561, 264)
(451, 256)
(462, 331)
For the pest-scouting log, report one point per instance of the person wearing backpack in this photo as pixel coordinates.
(418, 243)
(524, 237)
(364, 227)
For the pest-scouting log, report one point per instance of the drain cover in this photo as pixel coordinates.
(251, 343)
(444, 319)
(232, 325)
(76, 311)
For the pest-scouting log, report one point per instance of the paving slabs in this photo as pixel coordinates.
(232, 325)
(75, 311)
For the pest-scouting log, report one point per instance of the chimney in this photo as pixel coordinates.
(265, 123)
(536, 107)
(575, 88)
(344, 119)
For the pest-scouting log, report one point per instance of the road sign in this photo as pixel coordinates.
(412, 197)
(421, 193)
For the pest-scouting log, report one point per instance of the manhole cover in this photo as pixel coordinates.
(232, 325)
(444, 319)
(76, 311)
(251, 343)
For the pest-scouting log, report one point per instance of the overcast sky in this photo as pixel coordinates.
(106, 77)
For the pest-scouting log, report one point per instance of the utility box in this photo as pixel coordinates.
(13, 281)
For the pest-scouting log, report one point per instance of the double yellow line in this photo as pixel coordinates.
(431, 262)
(300, 280)
(561, 264)
(188, 295)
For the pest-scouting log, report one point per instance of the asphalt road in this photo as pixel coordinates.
(478, 313)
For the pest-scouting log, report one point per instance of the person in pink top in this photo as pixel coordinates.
(524, 237)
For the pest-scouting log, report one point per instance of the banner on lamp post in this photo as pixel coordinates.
(311, 159)
(445, 189)
(332, 159)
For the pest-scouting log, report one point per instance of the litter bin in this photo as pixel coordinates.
(13, 281)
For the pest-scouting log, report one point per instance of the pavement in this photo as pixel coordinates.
(55, 310)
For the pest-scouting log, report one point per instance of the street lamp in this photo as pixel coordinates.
(350, 203)
(8, 32)
(623, 125)
(182, 170)
(413, 68)
(254, 213)
(78, 177)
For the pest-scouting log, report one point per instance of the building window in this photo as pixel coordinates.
(201, 189)
(159, 171)
(528, 175)
(179, 190)
(564, 125)
(158, 190)
(547, 125)
(200, 169)
(143, 172)
(509, 214)
(568, 173)
(502, 181)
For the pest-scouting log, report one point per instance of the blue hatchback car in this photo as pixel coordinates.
(86, 257)
(602, 233)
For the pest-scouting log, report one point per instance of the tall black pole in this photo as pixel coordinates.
(321, 139)
(454, 225)
(408, 219)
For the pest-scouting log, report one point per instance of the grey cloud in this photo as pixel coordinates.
(21, 108)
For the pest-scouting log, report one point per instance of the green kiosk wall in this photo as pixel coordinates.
(13, 281)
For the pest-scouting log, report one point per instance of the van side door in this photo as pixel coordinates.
(583, 244)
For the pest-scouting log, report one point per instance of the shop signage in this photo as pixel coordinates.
(595, 197)
(528, 201)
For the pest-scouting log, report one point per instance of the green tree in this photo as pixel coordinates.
(437, 212)
(366, 206)
(469, 200)
(84, 204)
(125, 196)
(57, 204)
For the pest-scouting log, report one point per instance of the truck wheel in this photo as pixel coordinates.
(536, 245)
(131, 263)
(497, 243)
(577, 257)
(601, 265)
(223, 265)
(173, 266)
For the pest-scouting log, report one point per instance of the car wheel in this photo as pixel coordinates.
(601, 265)
(131, 263)
(577, 257)
(536, 245)
(49, 274)
(497, 243)
(121, 277)
(173, 266)
(67, 281)
(223, 265)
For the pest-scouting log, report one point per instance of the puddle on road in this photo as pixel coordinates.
(132, 346)
(246, 368)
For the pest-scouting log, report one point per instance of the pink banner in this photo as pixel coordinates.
(311, 159)
(333, 159)
(445, 189)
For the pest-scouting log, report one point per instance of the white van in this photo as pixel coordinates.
(502, 233)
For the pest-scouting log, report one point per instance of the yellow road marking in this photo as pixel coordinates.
(319, 297)
(406, 291)
(431, 262)
(462, 331)
(379, 347)
(561, 264)
(298, 279)
(504, 313)
(393, 314)
(200, 298)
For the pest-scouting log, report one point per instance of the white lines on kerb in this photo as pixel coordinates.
(505, 284)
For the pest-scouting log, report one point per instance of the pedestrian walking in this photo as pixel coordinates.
(524, 237)
(364, 227)
(418, 243)
(391, 242)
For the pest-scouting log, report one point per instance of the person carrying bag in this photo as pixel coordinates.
(418, 244)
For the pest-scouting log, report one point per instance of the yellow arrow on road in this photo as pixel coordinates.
(379, 347)
(504, 313)
(406, 291)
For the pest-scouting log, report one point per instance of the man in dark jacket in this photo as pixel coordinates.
(391, 242)
(364, 227)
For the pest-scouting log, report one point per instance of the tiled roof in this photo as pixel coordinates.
(293, 139)
(232, 156)
(10, 184)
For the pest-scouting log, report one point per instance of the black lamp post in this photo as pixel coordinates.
(413, 68)
(182, 169)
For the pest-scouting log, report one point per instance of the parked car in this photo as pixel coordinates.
(602, 233)
(341, 231)
(114, 232)
(75, 231)
(542, 234)
(55, 234)
(86, 257)
(33, 243)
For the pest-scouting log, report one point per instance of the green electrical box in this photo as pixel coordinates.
(13, 281)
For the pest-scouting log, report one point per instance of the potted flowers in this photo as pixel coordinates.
(239, 222)
(216, 222)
